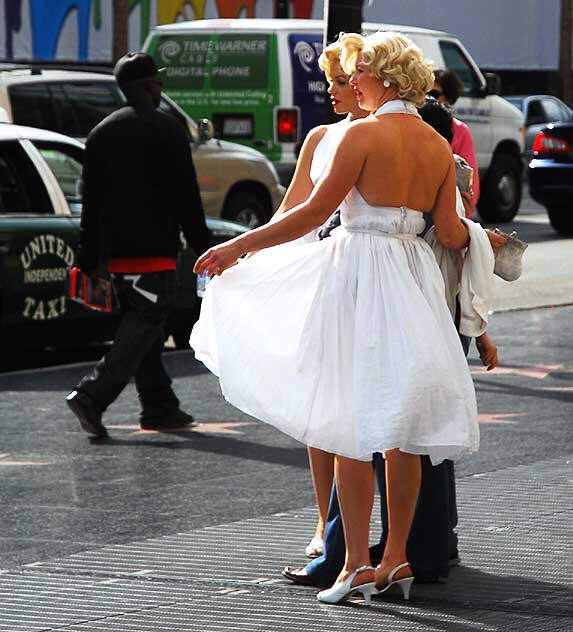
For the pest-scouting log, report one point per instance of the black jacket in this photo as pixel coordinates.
(139, 189)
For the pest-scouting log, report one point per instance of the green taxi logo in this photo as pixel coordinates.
(45, 260)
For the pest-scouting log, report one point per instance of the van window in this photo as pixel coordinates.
(21, 188)
(32, 105)
(65, 163)
(455, 60)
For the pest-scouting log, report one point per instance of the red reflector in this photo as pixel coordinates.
(546, 144)
(287, 126)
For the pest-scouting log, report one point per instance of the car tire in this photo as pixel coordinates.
(561, 218)
(248, 208)
(500, 195)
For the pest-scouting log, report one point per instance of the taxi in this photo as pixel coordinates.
(40, 209)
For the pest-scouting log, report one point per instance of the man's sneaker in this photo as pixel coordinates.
(178, 420)
(87, 412)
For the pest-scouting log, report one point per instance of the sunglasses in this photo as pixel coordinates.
(435, 93)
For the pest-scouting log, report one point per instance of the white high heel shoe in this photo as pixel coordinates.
(315, 547)
(405, 583)
(341, 592)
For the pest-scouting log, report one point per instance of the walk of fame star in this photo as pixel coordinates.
(213, 427)
(497, 418)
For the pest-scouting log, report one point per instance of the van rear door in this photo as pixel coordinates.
(308, 81)
(231, 78)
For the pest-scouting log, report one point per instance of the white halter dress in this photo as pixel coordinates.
(345, 344)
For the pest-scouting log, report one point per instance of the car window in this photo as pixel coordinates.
(65, 163)
(552, 110)
(535, 113)
(83, 105)
(32, 105)
(455, 60)
(21, 188)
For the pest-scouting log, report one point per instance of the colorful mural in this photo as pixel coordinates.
(43, 22)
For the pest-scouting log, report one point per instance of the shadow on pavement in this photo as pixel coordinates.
(198, 442)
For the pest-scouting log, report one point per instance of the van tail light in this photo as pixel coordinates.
(287, 125)
(547, 144)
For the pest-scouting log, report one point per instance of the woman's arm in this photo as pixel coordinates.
(450, 230)
(342, 173)
(301, 185)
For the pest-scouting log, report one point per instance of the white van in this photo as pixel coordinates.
(258, 81)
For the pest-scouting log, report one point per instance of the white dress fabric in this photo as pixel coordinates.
(345, 344)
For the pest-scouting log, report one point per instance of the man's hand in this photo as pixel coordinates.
(487, 351)
(496, 240)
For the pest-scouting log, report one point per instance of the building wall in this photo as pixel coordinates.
(506, 34)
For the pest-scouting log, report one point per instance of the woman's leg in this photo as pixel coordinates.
(403, 476)
(355, 486)
(322, 468)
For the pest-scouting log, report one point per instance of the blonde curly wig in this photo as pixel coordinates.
(390, 56)
(330, 55)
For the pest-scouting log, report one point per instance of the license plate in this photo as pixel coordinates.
(237, 127)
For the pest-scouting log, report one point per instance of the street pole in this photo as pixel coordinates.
(565, 56)
(281, 9)
(120, 19)
(340, 15)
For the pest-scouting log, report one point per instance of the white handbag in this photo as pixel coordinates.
(508, 258)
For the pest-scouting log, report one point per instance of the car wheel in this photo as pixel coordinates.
(500, 195)
(248, 208)
(561, 218)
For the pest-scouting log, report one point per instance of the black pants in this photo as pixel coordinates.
(146, 301)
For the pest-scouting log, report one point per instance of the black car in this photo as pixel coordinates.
(551, 174)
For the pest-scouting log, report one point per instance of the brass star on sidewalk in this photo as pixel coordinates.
(213, 427)
(497, 418)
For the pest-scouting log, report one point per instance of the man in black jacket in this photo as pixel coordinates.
(139, 191)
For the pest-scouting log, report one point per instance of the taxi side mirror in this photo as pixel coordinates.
(205, 130)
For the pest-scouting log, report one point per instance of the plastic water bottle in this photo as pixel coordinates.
(202, 281)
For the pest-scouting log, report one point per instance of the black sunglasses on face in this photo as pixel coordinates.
(435, 93)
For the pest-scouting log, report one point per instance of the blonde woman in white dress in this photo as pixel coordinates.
(315, 154)
(347, 344)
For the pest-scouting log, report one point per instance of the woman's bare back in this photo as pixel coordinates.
(406, 162)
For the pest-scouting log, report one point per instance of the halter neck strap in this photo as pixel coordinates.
(397, 106)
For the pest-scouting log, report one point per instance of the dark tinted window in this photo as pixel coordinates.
(90, 103)
(32, 105)
(21, 188)
(455, 60)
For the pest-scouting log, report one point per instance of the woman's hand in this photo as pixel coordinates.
(487, 351)
(218, 258)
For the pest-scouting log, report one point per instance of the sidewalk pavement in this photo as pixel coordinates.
(188, 531)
